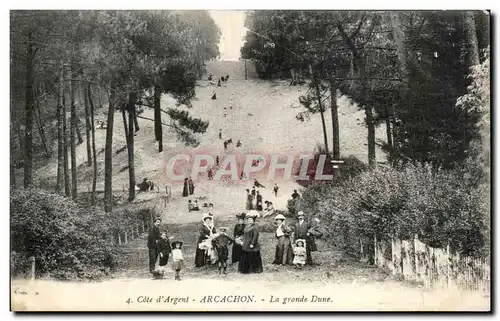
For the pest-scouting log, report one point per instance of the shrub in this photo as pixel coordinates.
(439, 206)
(67, 240)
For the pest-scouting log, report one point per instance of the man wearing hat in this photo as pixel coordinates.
(153, 239)
(284, 251)
(221, 243)
(305, 230)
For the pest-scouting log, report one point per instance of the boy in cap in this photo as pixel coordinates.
(221, 243)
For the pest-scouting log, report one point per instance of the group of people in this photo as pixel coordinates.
(294, 245)
(145, 185)
(159, 246)
(213, 247)
(254, 199)
(195, 207)
(188, 188)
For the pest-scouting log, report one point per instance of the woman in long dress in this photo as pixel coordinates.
(251, 261)
(238, 238)
(205, 232)
(284, 250)
(185, 191)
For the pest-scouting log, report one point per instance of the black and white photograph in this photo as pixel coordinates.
(250, 160)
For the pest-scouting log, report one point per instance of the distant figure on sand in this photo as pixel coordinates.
(275, 189)
(249, 200)
(295, 195)
(191, 186)
(225, 145)
(196, 207)
(218, 83)
(190, 206)
(259, 201)
(214, 96)
(210, 77)
(210, 174)
(238, 144)
(227, 78)
(217, 160)
(185, 190)
(257, 184)
(253, 192)
(220, 133)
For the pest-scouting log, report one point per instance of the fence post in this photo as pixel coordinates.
(119, 238)
(126, 237)
(375, 250)
(33, 262)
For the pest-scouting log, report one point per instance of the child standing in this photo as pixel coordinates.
(299, 252)
(164, 250)
(178, 258)
(221, 242)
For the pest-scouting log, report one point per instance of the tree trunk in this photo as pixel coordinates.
(125, 127)
(157, 113)
(12, 151)
(60, 136)
(388, 127)
(94, 157)
(404, 91)
(108, 155)
(67, 189)
(78, 129)
(335, 120)
(136, 122)
(39, 124)
(72, 136)
(471, 35)
(130, 145)
(322, 111)
(371, 135)
(100, 99)
(28, 141)
(87, 125)
(12, 170)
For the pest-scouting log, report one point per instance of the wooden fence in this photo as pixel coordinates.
(434, 267)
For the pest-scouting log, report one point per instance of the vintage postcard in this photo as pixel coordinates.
(272, 160)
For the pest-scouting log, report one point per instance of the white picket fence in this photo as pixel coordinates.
(434, 267)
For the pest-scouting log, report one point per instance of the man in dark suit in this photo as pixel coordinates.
(153, 238)
(306, 230)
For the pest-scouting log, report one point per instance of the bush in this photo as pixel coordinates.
(439, 206)
(67, 240)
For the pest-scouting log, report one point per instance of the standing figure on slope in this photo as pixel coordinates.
(185, 190)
